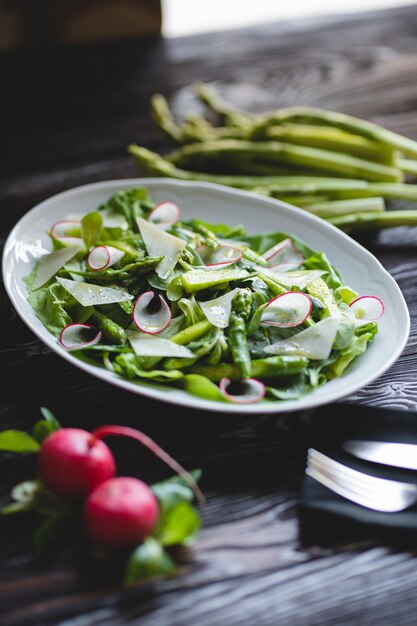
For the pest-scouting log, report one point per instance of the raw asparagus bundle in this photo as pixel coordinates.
(336, 166)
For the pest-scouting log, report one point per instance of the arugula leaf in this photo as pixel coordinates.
(131, 203)
(91, 228)
(18, 441)
(128, 364)
(319, 261)
(220, 230)
(297, 385)
(49, 309)
(357, 347)
(148, 561)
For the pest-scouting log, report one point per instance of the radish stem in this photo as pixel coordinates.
(125, 431)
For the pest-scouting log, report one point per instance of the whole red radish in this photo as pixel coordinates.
(72, 463)
(120, 512)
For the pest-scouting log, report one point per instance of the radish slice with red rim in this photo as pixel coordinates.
(77, 336)
(102, 257)
(287, 310)
(221, 257)
(368, 308)
(66, 230)
(246, 391)
(151, 314)
(284, 254)
(164, 214)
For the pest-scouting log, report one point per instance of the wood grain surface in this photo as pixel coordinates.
(66, 116)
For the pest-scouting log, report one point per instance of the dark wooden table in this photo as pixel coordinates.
(66, 116)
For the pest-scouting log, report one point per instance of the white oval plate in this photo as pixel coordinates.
(215, 203)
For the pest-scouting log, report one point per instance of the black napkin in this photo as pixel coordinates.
(327, 518)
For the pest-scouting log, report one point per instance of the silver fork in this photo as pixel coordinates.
(375, 493)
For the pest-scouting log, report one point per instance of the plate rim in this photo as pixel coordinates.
(190, 401)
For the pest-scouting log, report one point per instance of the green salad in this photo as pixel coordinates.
(207, 308)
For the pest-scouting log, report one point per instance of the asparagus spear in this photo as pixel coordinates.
(192, 333)
(241, 309)
(163, 118)
(111, 330)
(156, 165)
(277, 186)
(274, 151)
(230, 115)
(336, 208)
(354, 125)
(408, 166)
(339, 188)
(261, 368)
(371, 221)
(333, 139)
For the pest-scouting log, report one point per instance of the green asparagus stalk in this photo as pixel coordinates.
(163, 118)
(321, 117)
(372, 221)
(333, 139)
(241, 308)
(230, 115)
(261, 368)
(337, 208)
(156, 165)
(339, 189)
(408, 166)
(109, 328)
(274, 151)
(192, 333)
(206, 132)
(300, 201)
(278, 186)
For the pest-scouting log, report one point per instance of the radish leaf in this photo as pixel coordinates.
(148, 561)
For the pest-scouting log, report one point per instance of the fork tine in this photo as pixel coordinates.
(338, 470)
(373, 492)
(337, 487)
(364, 480)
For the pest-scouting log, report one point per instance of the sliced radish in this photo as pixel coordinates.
(92, 295)
(247, 391)
(287, 310)
(159, 243)
(315, 342)
(149, 345)
(151, 314)
(221, 257)
(217, 311)
(299, 278)
(50, 264)
(367, 308)
(283, 254)
(77, 336)
(67, 232)
(164, 214)
(101, 257)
